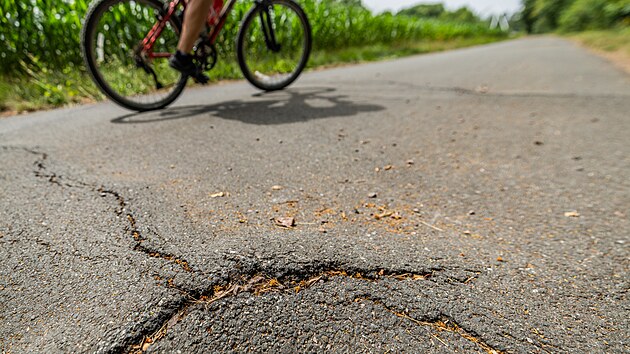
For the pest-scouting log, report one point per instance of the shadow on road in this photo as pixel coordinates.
(280, 107)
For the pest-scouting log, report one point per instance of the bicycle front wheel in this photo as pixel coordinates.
(273, 44)
(118, 60)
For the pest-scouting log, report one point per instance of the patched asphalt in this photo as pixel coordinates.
(469, 201)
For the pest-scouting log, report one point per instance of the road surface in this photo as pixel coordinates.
(469, 201)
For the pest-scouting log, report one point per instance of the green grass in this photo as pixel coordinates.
(607, 41)
(46, 90)
(382, 51)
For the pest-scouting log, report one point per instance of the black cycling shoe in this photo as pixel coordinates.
(184, 64)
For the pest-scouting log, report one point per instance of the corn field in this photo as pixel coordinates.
(44, 35)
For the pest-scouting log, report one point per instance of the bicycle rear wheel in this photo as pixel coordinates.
(273, 44)
(118, 62)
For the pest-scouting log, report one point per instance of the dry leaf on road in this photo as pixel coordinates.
(287, 222)
(383, 215)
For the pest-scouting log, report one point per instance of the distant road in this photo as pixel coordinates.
(467, 201)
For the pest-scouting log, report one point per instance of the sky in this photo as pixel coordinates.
(483, 7)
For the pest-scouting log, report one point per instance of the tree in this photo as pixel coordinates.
(585, 14)
(526, 17)
(547, 14)
(538, 16)
(463, 14)
(619, 11)
(351, 3)
(424, 10)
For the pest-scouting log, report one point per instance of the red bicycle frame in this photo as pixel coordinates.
(155, 32)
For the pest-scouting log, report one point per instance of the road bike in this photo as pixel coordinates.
(126, 45)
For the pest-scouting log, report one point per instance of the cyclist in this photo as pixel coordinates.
(194, 18)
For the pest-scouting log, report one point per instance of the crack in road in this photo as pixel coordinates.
(540, 345)
(134, 231)
(255, 280)
(42, 172)
(441, 322)
(259, 284)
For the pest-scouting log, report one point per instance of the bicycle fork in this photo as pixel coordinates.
(266, 23)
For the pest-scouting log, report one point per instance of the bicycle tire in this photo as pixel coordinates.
(260, 80)
(88, 37)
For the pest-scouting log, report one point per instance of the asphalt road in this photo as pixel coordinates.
(468, 201)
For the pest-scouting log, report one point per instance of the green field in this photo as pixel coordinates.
(41, 64)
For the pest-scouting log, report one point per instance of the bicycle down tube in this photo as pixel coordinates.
(156, 31)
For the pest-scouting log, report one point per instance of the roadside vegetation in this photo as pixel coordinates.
(607, 41)
(570, 16)
(41, 65)
(612, 44)
(603, 25)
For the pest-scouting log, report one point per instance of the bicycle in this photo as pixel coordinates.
(126, 45)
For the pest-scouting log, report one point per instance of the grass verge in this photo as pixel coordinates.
(48, 89)
(612, 44)
(383, 52)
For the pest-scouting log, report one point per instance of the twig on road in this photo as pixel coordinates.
(431, 226)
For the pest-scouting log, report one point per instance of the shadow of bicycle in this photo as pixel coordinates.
(279, 107)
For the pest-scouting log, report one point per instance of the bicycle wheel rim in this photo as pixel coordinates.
(263, 67)
(112, 48)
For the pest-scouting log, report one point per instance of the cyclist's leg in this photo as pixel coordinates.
(194, 18)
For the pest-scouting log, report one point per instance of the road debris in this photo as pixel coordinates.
(287, 222)
(431, 226)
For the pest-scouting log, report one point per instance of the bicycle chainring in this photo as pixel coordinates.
(205, 55)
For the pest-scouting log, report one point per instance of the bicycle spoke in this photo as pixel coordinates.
(274, 44)
(119, 63)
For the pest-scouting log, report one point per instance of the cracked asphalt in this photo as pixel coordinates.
(469, 201)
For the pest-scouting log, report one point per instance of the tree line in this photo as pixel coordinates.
(540, 16)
